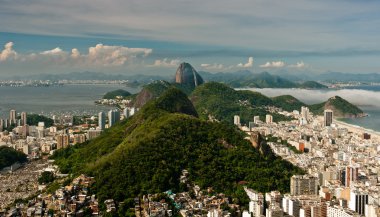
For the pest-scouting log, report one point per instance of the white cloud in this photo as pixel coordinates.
(166, 63)
(221, 67)
(274, 64)
(100, 55)
(55, 51)
(298, 65)
(75, 53)
(114, 55)
(249, 64)
(214, 66)
(8, 53)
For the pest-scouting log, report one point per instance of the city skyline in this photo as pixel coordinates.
(153, 37)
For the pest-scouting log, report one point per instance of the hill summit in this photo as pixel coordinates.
(341, 107)
(187, 75)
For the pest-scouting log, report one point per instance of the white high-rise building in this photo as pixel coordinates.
(126, 113)
(305, 112)
(23, 118)
(256, 204)
(269, 119)
(102, 120)
(113, 117)
(237, 120)
(358, 200)
(256, 119)
(291, 205)
(12, 116)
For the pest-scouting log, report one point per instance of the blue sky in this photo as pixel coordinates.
(154, 36)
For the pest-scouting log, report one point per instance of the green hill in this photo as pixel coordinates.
(260, 80)
(223, 102)
(263, 80)
(312, 85)
(9, 156)
(341, 107)
(33, 119)
(288, 103)
(116, 93)
(147, 153)
(151, 91)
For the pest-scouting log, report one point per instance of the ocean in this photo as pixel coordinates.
(66, 99)
(79, 99)
(366, 98)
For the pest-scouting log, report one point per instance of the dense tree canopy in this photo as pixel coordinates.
(9, 156)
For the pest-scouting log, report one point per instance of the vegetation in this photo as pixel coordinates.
(9, 156)
(33, 119)
(116, 93)
(223, 102)
(312, 85)
(288, 103)
(46, 177)
(147, 153)
(85, 119)
(340, 106)
(261, 80)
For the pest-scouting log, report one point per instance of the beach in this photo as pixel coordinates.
(358, 129)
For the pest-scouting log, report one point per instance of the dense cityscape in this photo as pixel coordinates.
(340, 162)
(185, 108)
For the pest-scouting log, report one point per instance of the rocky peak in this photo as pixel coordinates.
(186, 74)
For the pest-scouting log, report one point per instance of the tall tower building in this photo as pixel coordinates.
(328, 117)
(237, 120)
(352, 174)
(102, 120)
(305, 112)
(12, 116)
(268, 119)
(63, 141)
(256, 119)
(23, 118)
(358, 200)
(126, 113)
(113, 117)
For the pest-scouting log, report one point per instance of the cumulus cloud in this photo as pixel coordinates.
(8, 53)
(298, 65)
(75, 53)
(214, 66)
(55, 51)
(166, 63)
(249, 64)
(274, 64)
(221, 67)
(99, 55)
(114, 55)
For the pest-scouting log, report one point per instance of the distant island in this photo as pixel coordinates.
(116, 93)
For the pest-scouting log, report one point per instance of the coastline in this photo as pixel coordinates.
(357, 129)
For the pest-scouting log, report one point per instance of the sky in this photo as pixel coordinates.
(154, 36)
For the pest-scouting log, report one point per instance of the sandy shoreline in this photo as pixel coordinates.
(357, 129)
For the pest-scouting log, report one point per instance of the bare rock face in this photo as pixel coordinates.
(187, 75)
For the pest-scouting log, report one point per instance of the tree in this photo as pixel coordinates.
(46, 177)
